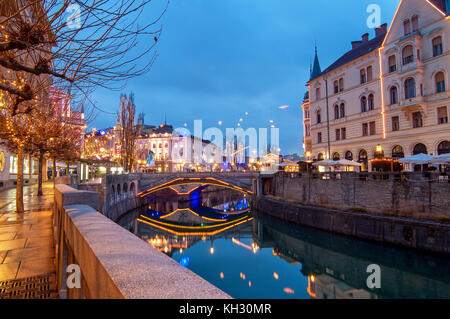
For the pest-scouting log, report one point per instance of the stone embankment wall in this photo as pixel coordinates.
(391, 194)
(407, 232)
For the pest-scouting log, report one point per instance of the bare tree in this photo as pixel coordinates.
(75, 45)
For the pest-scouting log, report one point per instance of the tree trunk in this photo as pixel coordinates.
(54, 171)
(40, 164)
(19, 187)
(68, 168)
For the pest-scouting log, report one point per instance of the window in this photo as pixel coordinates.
(317, 93)
(363, 76)
(349, 156)
(365, 129)
(420, 149)
(363, 104)
(392, 64)
(369, 73)
(336, 112)
(444, 148)
(440, 82)
(343, 133)
(394, 95)
(407, 27)
(341, 84)
(318, 117)
(338, 134)
(336, 87)
(371, 102)
(395, 123)
(320, 156)
(372, 128)
(397, 152)
(307, 113)
(336, 156)
(442, 115)
(410, 88)
(408, 55)
(437, 46)
(307, 130)
(319, 137)
(415, 23)
(342, 109)
(417, 119)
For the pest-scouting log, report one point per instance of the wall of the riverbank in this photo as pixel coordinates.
(425, 235)
(406, 195)
(113, 262)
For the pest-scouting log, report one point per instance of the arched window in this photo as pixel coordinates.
(444, 148)
(419, 149)
(440, 82)
(318, 117)
(320, 157)
(397, 152)
(118, 190)
(394, 95)
(437, 46)
(342, 109)
(371, 102)
(410, 88)
(336, 156)
(407, 54)
(336, 112)
(363, 104)
(132, 189)
(362, 158)
(415, 23)
(349, 156)
(341, 84)
(407, 27)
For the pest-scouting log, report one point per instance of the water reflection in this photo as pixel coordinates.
(249, 255)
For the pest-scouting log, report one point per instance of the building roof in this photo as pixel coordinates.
(442, 5)
(164, 129)
(361, 50)
(316, 68)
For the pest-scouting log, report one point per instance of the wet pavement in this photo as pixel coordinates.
(27, 247)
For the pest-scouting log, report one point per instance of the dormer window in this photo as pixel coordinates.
(415, 23)
(407, 27)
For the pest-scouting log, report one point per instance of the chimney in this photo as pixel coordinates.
(356, 44)
(381, 29)
(365, 37)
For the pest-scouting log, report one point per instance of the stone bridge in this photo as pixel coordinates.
(120, 194)
(150, 183)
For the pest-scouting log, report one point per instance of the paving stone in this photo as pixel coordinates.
(8, 271)
(36, 267)
(12, 244)
(7, 236)
(23, 254)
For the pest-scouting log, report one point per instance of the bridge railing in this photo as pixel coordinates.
(111, 262)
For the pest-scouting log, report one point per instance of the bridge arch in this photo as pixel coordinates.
(194, 180)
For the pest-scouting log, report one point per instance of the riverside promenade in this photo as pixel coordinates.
(27, 253)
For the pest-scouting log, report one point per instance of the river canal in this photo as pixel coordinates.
(249, 255)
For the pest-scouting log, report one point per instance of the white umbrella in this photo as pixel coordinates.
(325, 163)
(345, 162)
(441, 159)
(417, 159)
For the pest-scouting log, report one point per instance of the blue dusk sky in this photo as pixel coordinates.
(221, 58)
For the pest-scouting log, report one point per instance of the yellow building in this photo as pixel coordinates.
(388, 96)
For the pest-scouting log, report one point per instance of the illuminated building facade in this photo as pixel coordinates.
(388, 97)
(174, 152)
(102, 145)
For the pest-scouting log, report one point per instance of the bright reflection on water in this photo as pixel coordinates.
(248, 255)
